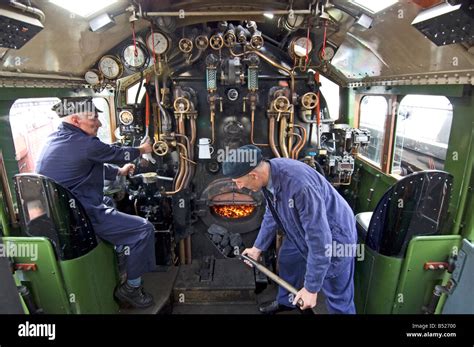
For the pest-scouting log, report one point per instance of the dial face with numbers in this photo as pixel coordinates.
(134, 56)
(302, 46)
(157, 42)
(110, 67)
(327, 54)
(92, 77)
(126, 117)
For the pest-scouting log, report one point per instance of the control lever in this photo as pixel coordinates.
(147, 156)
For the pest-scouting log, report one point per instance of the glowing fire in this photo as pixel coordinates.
(233, 211)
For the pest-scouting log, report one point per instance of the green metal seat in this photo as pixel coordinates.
(404, 232)
(72, 270)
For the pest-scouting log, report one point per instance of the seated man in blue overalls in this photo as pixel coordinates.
(74, 157)
(315, 219)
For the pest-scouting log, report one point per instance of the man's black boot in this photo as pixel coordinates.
(273, 307)
(134, 296)
(121, 264)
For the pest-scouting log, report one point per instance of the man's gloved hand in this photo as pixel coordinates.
(253, 253)
(126, 170)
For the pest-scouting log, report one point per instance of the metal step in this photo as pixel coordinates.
(214, 281)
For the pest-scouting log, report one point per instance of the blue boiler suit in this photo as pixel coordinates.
(318, 222)
(77, 160)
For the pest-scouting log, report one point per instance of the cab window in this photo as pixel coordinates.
(32, 120)
(423, 126)
(373, 116)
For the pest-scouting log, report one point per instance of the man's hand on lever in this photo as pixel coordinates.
(146, 147)
(309, 299)
(127, 169)
(253, 253)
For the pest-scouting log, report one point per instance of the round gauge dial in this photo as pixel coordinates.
(327, 54)
(93, 77)
(301, 46)
(110, 67)
(159, 41)
(135, 57)
(126, 117)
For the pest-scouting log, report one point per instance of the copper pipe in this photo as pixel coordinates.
(183, 170)
(192, 168)
(304, 136)
(186, 178)
(292, 155)
(292, 88)
(271, 137)
(181, 131)
(252, 124)
(292, 121)
(282, 137)
(213, 132)
(187, 243)
(182, 252)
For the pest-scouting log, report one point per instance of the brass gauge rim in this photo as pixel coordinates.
(121, 120)
(146, 56)
(119, 63)
(99, 74)
(291, 47)
(150, 49)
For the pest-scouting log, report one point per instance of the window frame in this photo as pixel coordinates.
(388, 129)
(388, 150)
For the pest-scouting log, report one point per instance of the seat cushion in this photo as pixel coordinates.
(363, 221)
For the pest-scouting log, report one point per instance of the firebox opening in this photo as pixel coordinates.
(232, 205)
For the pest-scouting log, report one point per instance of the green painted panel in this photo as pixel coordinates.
(46, 284)
(416, 284)
(90, 280)
(375, 282)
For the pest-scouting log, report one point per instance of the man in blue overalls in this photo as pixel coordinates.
(316, 222)
(74, 157)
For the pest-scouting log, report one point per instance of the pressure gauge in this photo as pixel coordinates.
(327, 54)
(135, 56)
(159, 41)
(93, 77)
(126, 117)
(110, 67)
(301, 46)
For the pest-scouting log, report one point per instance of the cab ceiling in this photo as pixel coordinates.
(390, 50)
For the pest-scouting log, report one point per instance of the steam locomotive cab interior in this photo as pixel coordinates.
(366, 97)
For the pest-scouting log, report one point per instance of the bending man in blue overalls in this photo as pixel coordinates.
(74, 157)
(316, 222)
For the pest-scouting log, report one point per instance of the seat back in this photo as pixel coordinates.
(415, 205)
(50, 210)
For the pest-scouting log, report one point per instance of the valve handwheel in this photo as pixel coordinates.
(309, 100)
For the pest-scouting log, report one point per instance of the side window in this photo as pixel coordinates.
(422, 133)
(32, 120)
(373, 115)
(104, 133)
(136, 93)
(330, 90)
